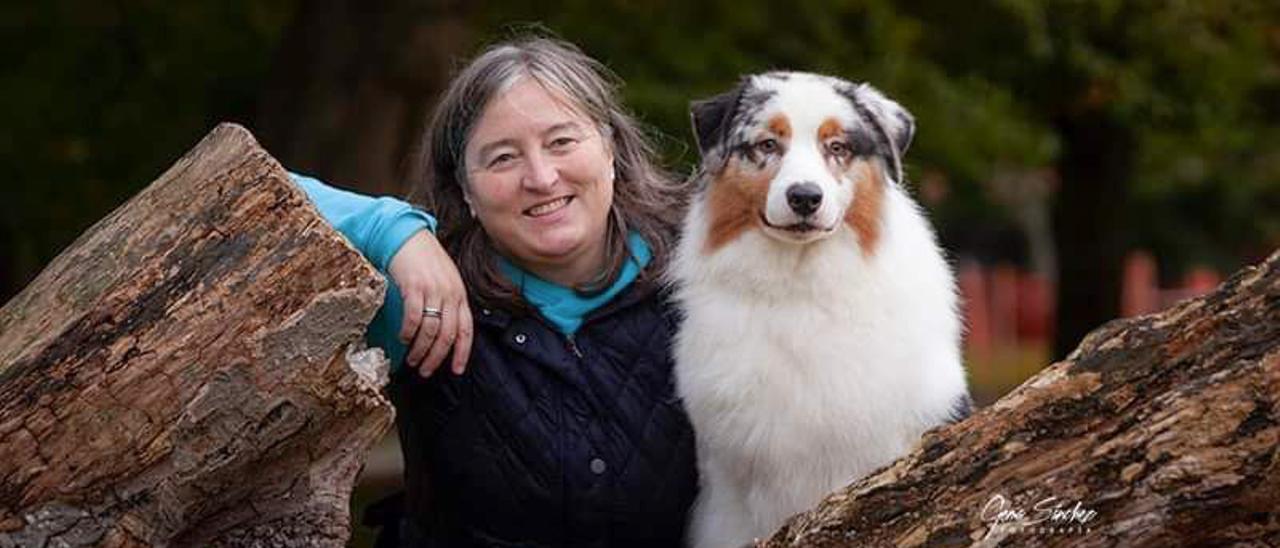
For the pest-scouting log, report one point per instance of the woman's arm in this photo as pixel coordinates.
(430, 279)
(378, 227)
(396, 238)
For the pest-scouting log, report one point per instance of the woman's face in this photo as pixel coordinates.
(540, 180)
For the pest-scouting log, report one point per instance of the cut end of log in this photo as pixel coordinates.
(189, 371)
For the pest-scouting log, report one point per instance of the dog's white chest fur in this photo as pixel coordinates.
(805, 367)
(803, 371)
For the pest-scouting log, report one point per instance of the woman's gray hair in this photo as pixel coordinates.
(645, 199)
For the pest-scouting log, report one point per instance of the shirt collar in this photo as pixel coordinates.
(563, 306)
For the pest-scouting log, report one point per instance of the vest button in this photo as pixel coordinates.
(485, 311)
(520, 338)
(598, 466)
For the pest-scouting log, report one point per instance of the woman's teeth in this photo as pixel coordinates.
(548, 207)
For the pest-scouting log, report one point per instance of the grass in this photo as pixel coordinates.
(1003, 369)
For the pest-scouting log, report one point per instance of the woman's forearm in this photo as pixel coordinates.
(378, 227)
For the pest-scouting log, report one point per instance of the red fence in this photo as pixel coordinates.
(1007, 307)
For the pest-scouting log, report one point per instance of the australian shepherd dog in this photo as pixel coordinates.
(820, 336)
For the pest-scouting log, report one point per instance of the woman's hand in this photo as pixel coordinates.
(436, 316)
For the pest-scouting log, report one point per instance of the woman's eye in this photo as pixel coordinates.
(561, 143)
(502, 159)
(839, 149)
(767, 146)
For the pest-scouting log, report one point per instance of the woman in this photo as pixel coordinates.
(565, 429)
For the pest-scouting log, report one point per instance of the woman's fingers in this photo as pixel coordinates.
(443, 341)
(413, 299)
(428, 279)
(462, 348)
(428, 330)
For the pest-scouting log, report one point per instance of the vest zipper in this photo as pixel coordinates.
(573, 346)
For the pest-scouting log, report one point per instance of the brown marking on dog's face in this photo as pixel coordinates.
(780, 126)
(866, 213)
(770, 142)
(735, 201)
(830, 129)
(836, 148)
(736, 198)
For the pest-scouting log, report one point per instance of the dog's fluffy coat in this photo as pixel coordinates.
(814, 347)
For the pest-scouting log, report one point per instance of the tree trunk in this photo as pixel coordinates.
(1160, 430)
(352, 84)
(1089, 221)
(188, 372)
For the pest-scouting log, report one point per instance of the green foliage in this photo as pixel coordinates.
(669, 52)
(1195, 83)
(101, 96)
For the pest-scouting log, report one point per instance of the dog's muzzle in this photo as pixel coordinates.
(804, 198)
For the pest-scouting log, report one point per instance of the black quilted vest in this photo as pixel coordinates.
(550, 442)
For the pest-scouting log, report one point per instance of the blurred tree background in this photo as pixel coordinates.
(1056, 135)
(1053, 135)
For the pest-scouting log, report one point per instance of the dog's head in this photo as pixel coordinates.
(798, 156)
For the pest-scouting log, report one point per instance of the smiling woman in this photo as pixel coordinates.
(564, 429)
(556, 95)
(541, 183)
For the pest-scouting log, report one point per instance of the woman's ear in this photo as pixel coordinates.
(466, 198)
(611, 150)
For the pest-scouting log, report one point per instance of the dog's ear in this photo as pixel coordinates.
(713, 117)
(895, 127)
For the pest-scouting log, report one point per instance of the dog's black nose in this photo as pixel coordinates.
(804, 198)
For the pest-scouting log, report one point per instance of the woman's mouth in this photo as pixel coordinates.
(547, 208)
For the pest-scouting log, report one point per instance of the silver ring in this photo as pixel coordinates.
(430, 312)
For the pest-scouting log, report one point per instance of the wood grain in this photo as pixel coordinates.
(1165, 427)
(180, 375)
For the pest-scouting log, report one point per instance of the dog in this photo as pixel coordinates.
(820, 335)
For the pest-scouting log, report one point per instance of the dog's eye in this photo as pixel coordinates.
(767, 146)
(839, 149)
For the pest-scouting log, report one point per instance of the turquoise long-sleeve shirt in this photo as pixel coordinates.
(379, 227)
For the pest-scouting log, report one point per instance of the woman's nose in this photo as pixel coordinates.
(541, 171)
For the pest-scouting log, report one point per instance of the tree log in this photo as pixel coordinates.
(1157, 431)
(190, 371)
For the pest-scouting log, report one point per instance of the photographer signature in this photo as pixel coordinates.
(1049, 513)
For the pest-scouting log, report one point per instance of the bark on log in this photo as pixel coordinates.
(189, 371)
(1157, 431)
